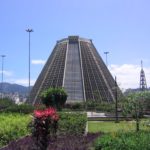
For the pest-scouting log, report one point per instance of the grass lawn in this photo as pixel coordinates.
(111, 126)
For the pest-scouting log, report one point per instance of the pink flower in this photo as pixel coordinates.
(49, 112)
(38, 113)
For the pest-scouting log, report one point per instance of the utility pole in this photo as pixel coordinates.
(2, 75)
(29, 31)
(116, 104)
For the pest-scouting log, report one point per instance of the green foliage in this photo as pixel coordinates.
(125, 141)
(72, 123)
(22, 108)
(100, 106)
(91, 106)
(76, 106)
(134, 105)
(105, 107)
(5, 103)
(12, 127)
(144, 96)
(54, 97)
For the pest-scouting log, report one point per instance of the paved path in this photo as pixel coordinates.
(95, 114)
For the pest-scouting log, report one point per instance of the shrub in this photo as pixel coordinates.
(91, 105)
(44, 126)
(72, 123)
(54, 97)
(5, 103)
(133, 105)
(23, 108)
(105, 107)
(125, 141)
(45, 122)
(12, 127)
(77, 106)
(100, 106)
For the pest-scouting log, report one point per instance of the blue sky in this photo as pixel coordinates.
(121, 27)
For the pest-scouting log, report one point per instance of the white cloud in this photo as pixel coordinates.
(38, 62)
(24, 82)
(6, 73)
(128, 75)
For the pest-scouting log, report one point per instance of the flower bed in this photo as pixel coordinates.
(63, 142)
(47, 126)
(14, 126)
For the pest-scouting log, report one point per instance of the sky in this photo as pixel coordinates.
(121, 27)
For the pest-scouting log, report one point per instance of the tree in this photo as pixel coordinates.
(146, 99)
(133, 105)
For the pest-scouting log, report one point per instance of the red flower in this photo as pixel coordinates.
(38, 113)
(49, 112)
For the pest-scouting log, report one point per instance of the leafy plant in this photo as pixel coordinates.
(124, 140)
(72, 123)
(5, 103)
(8, 106)
(44, 126)
(45, 121)
(22, 108)
(12, 127)
(133, 105)
(145, 96)
(54, 97)
(100, 106)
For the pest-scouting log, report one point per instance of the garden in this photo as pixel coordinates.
(51, 127)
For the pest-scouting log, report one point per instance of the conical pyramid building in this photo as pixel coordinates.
(76, 65)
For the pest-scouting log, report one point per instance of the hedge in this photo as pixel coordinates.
(72, 123)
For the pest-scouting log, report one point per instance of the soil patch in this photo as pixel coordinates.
(63, 142)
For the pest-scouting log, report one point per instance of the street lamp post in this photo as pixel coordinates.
(29, 31)
(106, 58)
(116, 104)
(2, 75)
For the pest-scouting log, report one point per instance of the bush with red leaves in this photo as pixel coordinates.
(44, 127)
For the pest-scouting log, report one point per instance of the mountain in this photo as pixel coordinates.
(14, 88)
